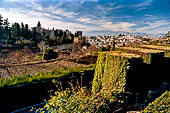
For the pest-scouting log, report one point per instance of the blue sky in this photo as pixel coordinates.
(146, 16)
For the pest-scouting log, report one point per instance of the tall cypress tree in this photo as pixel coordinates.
(6, 30)
(26, 31)
(1, 23)
(1, 20)
(15, 30)
(22, 30)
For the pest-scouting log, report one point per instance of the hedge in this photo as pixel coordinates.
(160, 105)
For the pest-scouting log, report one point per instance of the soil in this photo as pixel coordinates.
(19, 63)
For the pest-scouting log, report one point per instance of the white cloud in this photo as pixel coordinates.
(84, 20)
(144, 4)
(60, 11)
(122, 26)
(52, 16)
(31, 18)
(155, 27)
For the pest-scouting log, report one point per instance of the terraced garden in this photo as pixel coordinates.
(121, 82)
(122, 79)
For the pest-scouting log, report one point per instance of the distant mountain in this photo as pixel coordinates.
(106, 32)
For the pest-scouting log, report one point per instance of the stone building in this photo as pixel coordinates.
(79, 41)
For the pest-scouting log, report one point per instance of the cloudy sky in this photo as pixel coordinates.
(146, 16)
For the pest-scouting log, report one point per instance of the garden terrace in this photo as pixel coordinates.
(164, 48)
(127, 72)
(122, 54)
(113, 68)
(149, 55)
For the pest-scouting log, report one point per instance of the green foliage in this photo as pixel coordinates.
(96, 86)
(146, 54)
(76, 101)
(110, 70)
(167, 54)
(107, 48)
(1, 20)
(160, 105)
(112, 46)
(80, 100)
(15, 30)
(22, 79)
(49, 54)
(101, 49)
(20, 31)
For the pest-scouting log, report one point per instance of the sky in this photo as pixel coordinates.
(90, 16)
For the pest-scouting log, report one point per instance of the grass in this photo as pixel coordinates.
(27, 78)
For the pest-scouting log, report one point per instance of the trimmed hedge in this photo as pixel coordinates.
(126, 72)
(160, 105)
(110, 70)
(148, 55)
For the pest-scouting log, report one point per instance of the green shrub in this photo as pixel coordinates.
(107, 48)
(112, 46)
(80, 100)
(49, 54)
(110, 70)
(101, 49)
(160, 105)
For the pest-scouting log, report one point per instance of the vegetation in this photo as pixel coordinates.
(146, 54)
(107, 48)
(155, 47)
(166, 49)
(112, 46)
(49, 54)
(160, 105)
(22, 79)
(111, 69)
(80, 100)
(20, 32)
(108, 88)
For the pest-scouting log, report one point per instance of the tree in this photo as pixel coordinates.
(6, 30)
(112, 46)
(6, 22)
(33, 34)
(1, 20)
(15, 30)
(22, 29)
(1, 23)
(26, 31)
